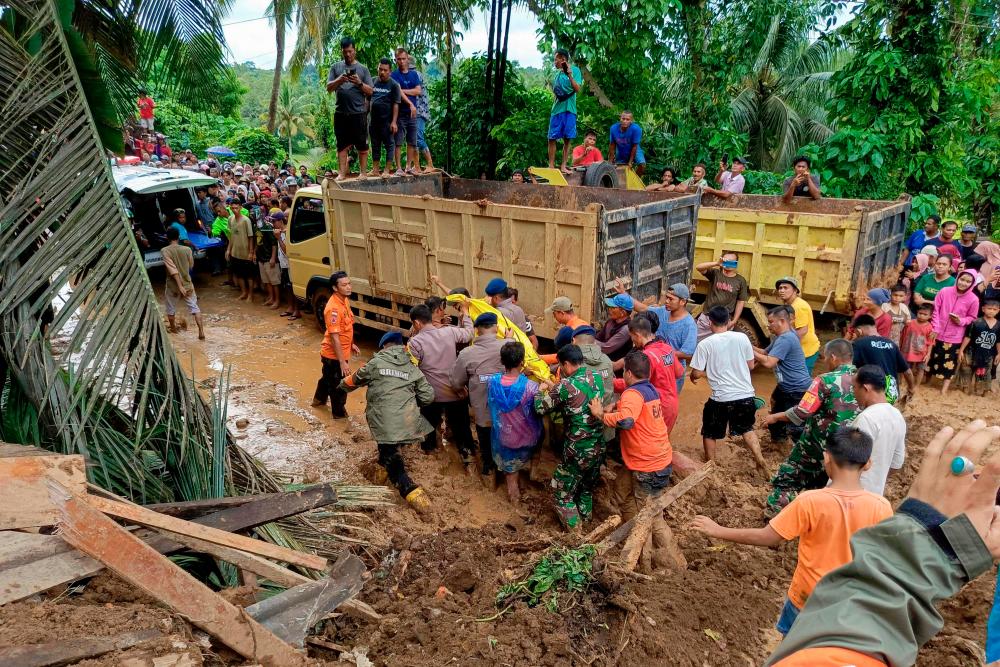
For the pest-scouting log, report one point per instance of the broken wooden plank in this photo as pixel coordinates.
(316, 641)
(67, 565)
(67, 651)
(661, 503)
(598, 532)
(359, 609)
(24, 498)
(243, 560)
(270, 509)
(192, 508)
(145, 517)
(90, 531)
(289, 615)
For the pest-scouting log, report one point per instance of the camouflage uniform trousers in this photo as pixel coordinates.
(574, 479)
(802, 470)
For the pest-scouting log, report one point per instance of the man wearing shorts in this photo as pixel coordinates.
(423, 117)
(352, 83)
(409, 84)
(562, 120)
(267, 262)
(179, 260)
(240, 251)
(146, 105)
(726, 359)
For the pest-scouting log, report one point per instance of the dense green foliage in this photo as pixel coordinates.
(257, 145)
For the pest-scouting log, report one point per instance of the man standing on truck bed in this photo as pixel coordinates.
(353, 84)
(338, 345)
(562, 119)
(803, 184)
(624, 148)
(725, 288)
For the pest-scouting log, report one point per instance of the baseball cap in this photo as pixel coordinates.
(584, 330)
(789, 280)
(623, 301)
(495, 286)
(741, 160)
(291, 181)
(681, 291)
(969, 228)
(929, 250)
(560, 304)
(278, 215)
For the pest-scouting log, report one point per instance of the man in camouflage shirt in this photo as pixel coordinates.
(826, 405)
(574, 479)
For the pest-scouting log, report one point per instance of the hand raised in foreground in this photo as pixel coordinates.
(972, 495)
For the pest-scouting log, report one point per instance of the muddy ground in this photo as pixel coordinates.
(436, 579)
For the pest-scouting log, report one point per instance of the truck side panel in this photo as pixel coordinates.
(392, 243)
(882, 235)
(648, 246)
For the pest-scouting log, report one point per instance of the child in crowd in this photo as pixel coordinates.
(981, 340)
(823, 519)
(292, 313)
(516, 428)
(915, 342)
(955, 308)
(898, 311)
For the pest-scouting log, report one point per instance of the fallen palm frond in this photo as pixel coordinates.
(110, 388)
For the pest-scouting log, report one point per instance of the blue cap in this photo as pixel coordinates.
(393, 337)
(584, 330)
(623, 301)
(486, 320)
(563, 337)
(879, 296)
(681, 291)
(495, 286)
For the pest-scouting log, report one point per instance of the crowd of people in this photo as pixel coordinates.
(613, 397)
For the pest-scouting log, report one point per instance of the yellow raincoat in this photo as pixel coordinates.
(534, 368)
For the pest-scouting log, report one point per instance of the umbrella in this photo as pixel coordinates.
(221, 151)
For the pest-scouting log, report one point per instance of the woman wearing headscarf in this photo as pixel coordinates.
(991, 268)
(872, 305)
(955, 308)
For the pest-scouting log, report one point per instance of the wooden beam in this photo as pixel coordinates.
(241, 559)
(24, 498)
(645, 515)
(194, 508)
(87, 529)
(145, 517)
(272, 508)
(66, 565)
(67, 651)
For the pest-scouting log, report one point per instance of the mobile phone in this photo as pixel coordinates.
(350, 71)
(725, 159)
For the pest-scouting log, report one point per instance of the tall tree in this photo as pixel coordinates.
(280, 12)
(294, 116)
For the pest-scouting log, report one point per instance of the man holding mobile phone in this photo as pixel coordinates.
(353, 84)
(730, 179)
(562, 119)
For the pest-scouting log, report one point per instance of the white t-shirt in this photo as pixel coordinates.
(723, 357)
(282, 257)
(887, 428)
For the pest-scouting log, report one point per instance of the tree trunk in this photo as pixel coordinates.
(447, 114)
(595, 88)
(279, 61)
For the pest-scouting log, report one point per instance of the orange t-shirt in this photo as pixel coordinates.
(824, 520)
(829, 656)
(574, 324)
(645, 443)
(339, 322)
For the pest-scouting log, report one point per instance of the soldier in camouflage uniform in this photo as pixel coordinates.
(583, 448)
(826, 405)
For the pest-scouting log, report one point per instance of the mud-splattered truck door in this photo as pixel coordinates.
(392, 235)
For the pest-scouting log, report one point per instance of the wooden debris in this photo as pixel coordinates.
(146, 517)
(68, 651)
(24, 499)
(272, 508)
(31, 563)
(193, 508)
(87, 529)
(598, 532)
(643, 520)
(168, 660)
(316, 641)
(289, 615)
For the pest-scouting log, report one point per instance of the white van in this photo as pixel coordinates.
(150, 194)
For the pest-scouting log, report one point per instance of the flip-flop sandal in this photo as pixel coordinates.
(292, 318)
(286, 313)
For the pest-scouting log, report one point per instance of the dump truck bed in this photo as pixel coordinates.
(391, 235)
(834, 247)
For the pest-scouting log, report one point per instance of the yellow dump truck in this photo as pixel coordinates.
(391, 235)
(836, 248)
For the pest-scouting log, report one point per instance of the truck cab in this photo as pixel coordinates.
(308, 249)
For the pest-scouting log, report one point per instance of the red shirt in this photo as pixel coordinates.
(664, 369)
(591, 158)
(883, 323)
(146, 106)
(645, 442)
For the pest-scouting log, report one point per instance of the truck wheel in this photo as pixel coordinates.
(748, 328)
(318, 301)
(601, 175)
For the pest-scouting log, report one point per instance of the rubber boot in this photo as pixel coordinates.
(418, 500)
